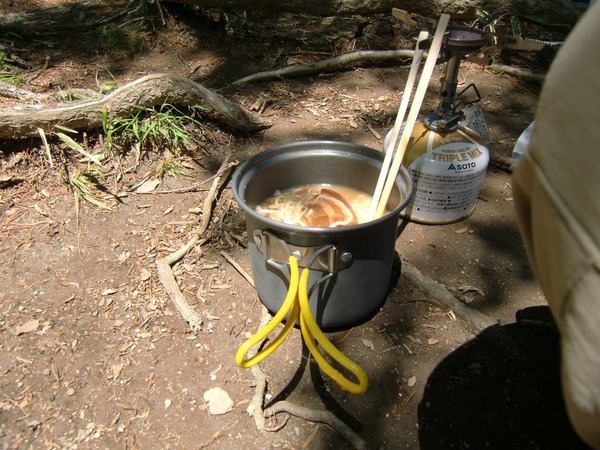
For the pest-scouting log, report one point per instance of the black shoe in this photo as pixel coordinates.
(537, 316)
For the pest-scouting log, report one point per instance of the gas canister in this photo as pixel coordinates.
(447, 161)
(447, 171)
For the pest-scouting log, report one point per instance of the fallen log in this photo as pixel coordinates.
(465, 10)
(164, 265)
(148, 91)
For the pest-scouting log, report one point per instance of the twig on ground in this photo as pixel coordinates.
(237, 267)
(193, 188)
(164, 265)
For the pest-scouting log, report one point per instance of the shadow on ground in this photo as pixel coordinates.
(501, 390)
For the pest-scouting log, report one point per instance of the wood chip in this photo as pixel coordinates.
(116, 370)
(367, 343)
(27, 327)
(147, 186)
(374, 132)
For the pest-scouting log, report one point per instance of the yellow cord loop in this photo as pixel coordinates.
(290, 303)
(311, 329)
(297, 304)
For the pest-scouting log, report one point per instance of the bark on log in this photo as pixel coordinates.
(562, 12)
(148, 91)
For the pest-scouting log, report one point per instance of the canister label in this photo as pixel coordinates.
(447, 176)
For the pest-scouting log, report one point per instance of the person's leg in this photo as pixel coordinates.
(581, 358)
(556, 188)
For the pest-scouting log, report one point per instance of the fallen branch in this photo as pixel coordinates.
(256, 407)
(164, 265)
(328, 65)
(148, 91)
(516, 72)
(475, 320)
(363, 57)
(237, 267)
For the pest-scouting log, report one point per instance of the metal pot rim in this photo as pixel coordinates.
(316, 145)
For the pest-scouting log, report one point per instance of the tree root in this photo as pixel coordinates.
(256, 407)
(502, 162)
(475, 320)
(148, 91)
(164, 265)
(321, 416)
(328, 65)
(363, 57)
(516, 72)
(11, 91)
(257, 410)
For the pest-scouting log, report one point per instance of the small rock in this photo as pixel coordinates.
(219, 401)
(145, 275)
(412, 381)
(367, 343)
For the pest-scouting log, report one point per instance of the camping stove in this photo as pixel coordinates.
(447, 161)
(460, 41)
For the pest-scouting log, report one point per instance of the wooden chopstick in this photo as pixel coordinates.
(393, 144)
(415, 108)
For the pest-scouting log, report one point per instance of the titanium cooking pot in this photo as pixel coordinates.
(351, 266)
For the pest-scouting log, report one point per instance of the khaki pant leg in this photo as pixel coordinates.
(565, 261)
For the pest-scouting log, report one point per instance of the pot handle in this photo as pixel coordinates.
(289, 305)
(297, 304)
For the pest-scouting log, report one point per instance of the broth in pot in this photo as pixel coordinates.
(318, 205)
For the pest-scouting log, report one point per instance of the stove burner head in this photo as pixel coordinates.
(463, 39)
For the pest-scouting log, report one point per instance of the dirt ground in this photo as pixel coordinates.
(93, 353)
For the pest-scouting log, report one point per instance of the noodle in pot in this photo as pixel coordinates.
(317, 205)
